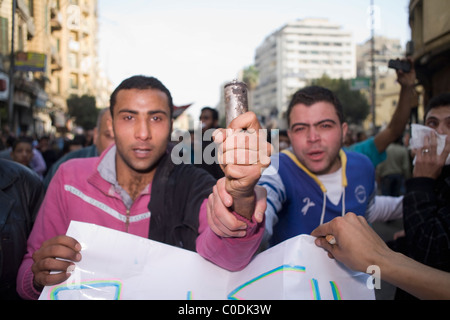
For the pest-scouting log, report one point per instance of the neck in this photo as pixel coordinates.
(134, 182)
(135, 185)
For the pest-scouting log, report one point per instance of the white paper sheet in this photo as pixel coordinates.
(120, 266)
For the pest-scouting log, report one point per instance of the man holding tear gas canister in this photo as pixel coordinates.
(135, 187)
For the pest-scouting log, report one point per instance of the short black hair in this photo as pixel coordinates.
(24, 139)
(141, 83)
(215, 113)
(313, 94)
(442, 100)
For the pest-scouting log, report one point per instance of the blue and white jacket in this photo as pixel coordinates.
(297, 200)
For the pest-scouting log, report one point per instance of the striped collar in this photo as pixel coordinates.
(343, 157)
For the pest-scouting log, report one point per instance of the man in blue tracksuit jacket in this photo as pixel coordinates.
(316, 180)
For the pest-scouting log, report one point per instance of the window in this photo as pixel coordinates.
(21, 44)
(31, 7)
(73, 60)
(74, 81)
(4, 37)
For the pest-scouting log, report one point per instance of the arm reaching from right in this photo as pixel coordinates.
(358, 247)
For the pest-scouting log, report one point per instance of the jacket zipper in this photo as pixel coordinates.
(127, 222)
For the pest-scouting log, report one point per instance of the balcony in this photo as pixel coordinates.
(24, 13)
(55, 20)
(56, 64)
(85, 9)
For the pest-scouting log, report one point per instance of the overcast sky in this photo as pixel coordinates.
(195, 46)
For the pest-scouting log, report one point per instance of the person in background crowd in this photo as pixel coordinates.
(394, 170)
(426, 204)
(375, 147)
(103, 138)
(284, 142)
(209, 119)
(37, 162)
(48, 153)
(21, 194)
(22, 151)
(77, 143)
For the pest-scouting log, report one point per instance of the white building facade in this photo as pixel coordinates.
(297, 53)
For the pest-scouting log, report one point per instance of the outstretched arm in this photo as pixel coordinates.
(358, 247)
(226, 238)
(401, 115)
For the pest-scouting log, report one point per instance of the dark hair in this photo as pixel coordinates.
(140, 83)
(215, 113)
(442, 100)
(24, 139)
(313, 94)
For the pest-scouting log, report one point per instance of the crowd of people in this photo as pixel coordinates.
(230, 210)
(39, 154)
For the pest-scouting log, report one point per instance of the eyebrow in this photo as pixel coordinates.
(314, 124)
(151, 112)
(434, 117)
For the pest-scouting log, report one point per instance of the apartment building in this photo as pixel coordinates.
(65, 33)
(387, 88)
(384, 49)
(430, 38)
(297, 53)
(26, 90)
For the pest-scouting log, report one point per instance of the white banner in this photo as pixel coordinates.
(120, 266)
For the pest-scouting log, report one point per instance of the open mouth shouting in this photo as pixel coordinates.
(315, 155)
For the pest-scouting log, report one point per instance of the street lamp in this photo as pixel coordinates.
(374, 78)
(11, 69)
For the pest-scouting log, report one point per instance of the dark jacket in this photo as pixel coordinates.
(214, 168)
(426, 219)
(426, 216)
(177, 194)
(21, 194)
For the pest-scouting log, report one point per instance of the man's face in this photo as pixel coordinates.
(439, 119)
(316, 136)
(103, 135)
(141, 125)
(23, 153)
(206, 118)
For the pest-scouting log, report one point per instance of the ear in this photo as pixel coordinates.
(289, 133)
(109, 124)
(95, 135)
(344, 131)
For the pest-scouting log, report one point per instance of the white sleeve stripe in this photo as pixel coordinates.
(105, 208)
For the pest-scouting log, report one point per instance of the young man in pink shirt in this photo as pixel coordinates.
(135, 187)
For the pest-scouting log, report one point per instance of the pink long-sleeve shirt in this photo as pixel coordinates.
(79, 192)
